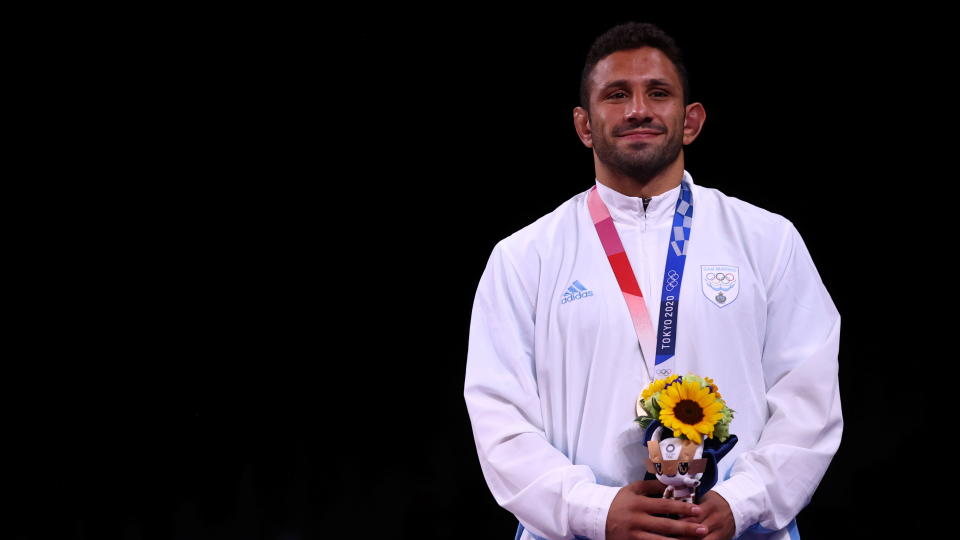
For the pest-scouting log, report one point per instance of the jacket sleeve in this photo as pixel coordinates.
(549, 495)
(772, 482)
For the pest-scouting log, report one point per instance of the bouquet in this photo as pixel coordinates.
(690, 406)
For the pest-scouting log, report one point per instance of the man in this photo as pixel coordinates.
(643, 275)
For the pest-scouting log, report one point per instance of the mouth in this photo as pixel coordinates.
(641, 134)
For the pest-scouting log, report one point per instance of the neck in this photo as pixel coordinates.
(664, 181)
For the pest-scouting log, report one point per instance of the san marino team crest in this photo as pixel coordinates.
(721, 284)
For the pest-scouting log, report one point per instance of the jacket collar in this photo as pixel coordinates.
(628, 210)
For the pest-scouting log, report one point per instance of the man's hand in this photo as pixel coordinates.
(716, 515)
(631, 515)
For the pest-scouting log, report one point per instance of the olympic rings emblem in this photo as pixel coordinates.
(663, 372)
(721, 277)
(673, 279)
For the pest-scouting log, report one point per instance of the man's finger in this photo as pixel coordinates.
(670, 506)
(711, 536)
(648, 487)
(674, 527)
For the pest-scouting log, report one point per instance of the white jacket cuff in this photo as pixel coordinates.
(745, 497)
(589, 506)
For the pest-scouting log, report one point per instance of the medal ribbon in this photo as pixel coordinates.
(672, 278)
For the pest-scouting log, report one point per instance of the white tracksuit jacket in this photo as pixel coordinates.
(552, 379)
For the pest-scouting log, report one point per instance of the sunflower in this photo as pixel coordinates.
(713, 387)
(690, 409)
(657, 386)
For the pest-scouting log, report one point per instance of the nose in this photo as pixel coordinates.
(637, 109)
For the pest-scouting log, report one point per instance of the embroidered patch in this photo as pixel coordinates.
(721, 283)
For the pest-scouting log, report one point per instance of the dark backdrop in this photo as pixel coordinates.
(269, 333)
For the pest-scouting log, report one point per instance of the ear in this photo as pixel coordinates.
(687, 449)
(581, 121)
(693, 120)
(653, 450)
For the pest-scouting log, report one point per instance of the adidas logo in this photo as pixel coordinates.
(575, 292)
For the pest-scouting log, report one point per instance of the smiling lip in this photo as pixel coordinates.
(642, 134)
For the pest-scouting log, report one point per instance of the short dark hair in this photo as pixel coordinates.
(631, 35)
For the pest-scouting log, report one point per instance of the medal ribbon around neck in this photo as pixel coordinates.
(672, 278)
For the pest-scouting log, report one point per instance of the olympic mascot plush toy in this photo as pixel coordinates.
(688, 469)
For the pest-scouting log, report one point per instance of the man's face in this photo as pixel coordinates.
(637, 89)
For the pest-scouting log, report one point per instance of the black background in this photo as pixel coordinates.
(256, 324)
